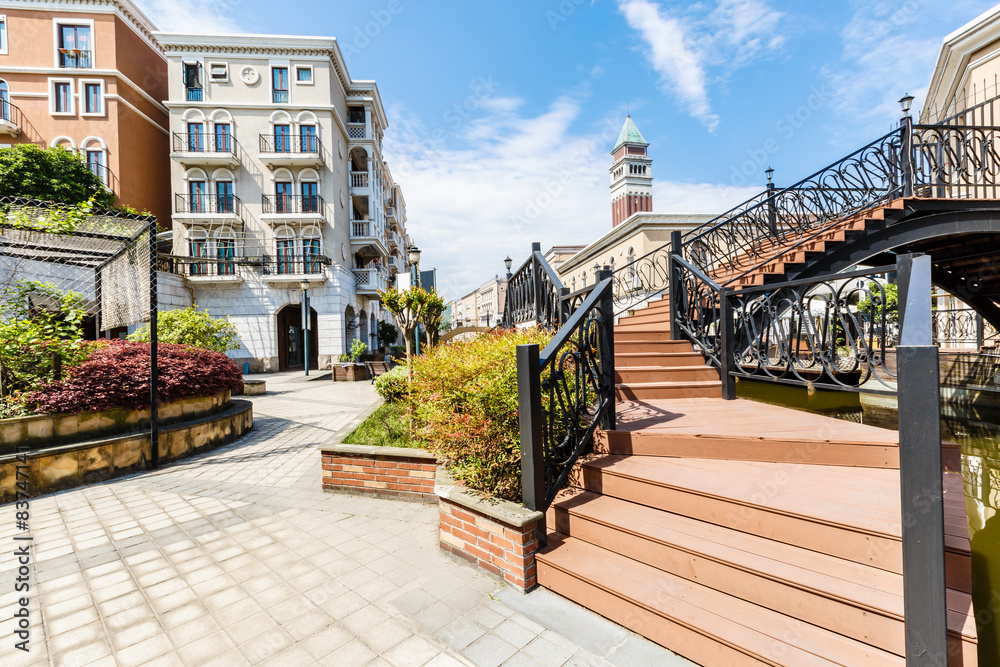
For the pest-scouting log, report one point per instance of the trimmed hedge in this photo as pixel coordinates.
(117, 375)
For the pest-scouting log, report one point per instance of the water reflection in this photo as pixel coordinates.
(977, 429)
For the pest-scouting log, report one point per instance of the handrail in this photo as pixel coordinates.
(534, 294)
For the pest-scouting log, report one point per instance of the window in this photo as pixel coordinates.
(93, 98)
(3, 34)
(74, 46)
(311, 252)
(282, 197)
(304, 74)
(4, 101)
(192, 82)
(279, 85)
(95, 161)
(198, 247)
(225, 252)
(196, 196)
(224, 199)
(62, 97)
(307, 136)
(196, 137)
(282, 139)
(286, 255)
(310, 198)
(223, 138)
(218, 72)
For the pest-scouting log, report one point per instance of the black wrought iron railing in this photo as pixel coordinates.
(565, 393)
(535, 294)
(103, 172)
(292, 204)
(963, 326)
(208, 203)
(297, 264)
(10, 113)
(205, 143)
(288, 143)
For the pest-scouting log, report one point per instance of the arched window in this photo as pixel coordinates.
(198, 248)
(308, 137)
(631, 274)
(583, 279)
(4, 100)
(225, 251)
(95, 153)
(312, 249)
(309, 185)
(281, 127)
(194, 124)
(225, 195)
(196, 200)
(222, 131)
(284, 247)
(65, 142)
(283, 197)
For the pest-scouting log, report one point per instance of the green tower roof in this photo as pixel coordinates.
(630, 134)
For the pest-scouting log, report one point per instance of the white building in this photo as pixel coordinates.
(278, 183)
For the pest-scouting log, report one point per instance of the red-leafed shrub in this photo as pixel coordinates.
(117, 376)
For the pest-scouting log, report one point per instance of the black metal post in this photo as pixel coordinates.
(772, 212)
(536, 282)
(906, 149)
(608, 351)
(564, 306)
(980, 333)
(673, 288)
(920, 471)
(529, 415)
(727, 333)
(305, 329)
(154, 371)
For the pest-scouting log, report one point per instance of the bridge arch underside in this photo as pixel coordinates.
(964, 247)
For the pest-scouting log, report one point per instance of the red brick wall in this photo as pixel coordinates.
(393, 476)
(506, 551)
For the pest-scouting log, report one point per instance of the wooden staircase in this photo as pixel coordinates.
(737, 533)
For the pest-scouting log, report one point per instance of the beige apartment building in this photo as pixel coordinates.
(278, 185)
(482, 307)
(89, 76)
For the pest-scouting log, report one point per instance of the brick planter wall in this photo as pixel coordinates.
(496, 535)
(392, 472)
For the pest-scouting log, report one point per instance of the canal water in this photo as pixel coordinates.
(977, 429)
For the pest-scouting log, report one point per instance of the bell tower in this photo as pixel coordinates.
(631, 174)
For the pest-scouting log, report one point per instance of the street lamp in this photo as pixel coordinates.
(304, 285)
(507, 262)
(905, 103)
(414, 255)
(769, 172)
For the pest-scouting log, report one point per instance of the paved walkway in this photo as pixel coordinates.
(238, 557)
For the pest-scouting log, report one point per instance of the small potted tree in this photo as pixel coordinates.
(350, 368)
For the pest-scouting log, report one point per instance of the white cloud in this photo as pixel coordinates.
(202, 16)
(498, 182)
(689, 52)
(680, 67)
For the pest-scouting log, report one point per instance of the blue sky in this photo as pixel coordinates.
(502, 112)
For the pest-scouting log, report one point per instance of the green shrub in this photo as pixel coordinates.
(393, 386)
(193, 327)
(358, 348)
(388, 334)
(386, 427)
(464, 400)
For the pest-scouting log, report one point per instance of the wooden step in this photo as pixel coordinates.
(629, 336)
(630, 346)
(642, 374)
(643, 327)
(695, 621)
(860, 602)
(643, 317)
(629, 359)
(846, 512)
(642, 391)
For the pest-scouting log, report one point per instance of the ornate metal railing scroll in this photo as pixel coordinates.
(956, 162)
(565, 393)
(963, 326)
(534, 294)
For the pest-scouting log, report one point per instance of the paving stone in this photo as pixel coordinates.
(489, 651)
(640, 651)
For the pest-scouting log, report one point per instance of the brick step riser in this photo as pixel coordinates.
(630, 336)
(647, 346)
(628, 393)
(668, 374)
(691, 359)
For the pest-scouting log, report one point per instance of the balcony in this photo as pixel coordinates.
(74, 59)
(279, 96)
(355, 130)
(219, 270)
(285, 208)
(368, 239)
(393, 240)
(292, 269)
(194, 94)
(217, 150)
(225, 209)
(369, 281)
(390, 214)
(283, 150)
(10, 119)
(393, 265)
(359, 181)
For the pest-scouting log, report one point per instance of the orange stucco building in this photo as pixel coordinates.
(89, 76)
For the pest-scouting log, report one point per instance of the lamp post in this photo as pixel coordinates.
(305, 324)
(906, 147)
(414, 256)
(507, 262)
(772, 213)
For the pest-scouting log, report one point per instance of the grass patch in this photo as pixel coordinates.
(386, 427)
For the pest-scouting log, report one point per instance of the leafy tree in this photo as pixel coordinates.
(387, 334)
(432, 317)
(408, 307)
(39, 323)
(193, 327)
(891, 305)
(51, 174)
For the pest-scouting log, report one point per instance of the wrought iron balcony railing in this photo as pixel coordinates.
(204, 142)
(292, 204)
(105, 174)
(75, 59)
(287, 143)
(10, 113)
(208, 204)
(279, 96)
(294, 264)
(194, 94)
